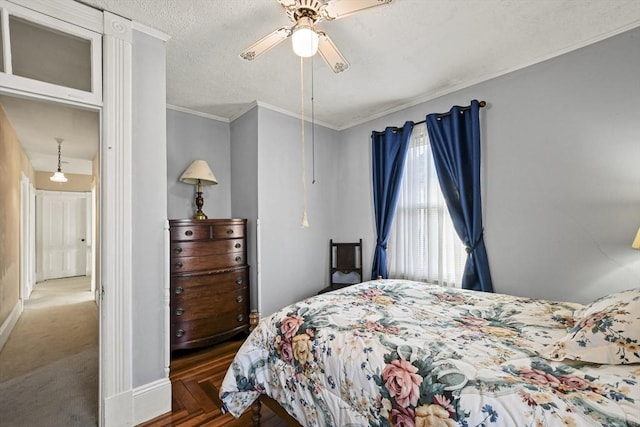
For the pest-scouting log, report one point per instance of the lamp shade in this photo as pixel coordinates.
(636, 241)
(58, 177)
(304, 39)
(199, 170)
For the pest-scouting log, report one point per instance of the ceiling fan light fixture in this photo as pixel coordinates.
(304, 38)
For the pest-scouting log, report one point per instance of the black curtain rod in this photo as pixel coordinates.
(480, 104)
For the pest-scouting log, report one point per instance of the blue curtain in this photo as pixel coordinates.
(389, 152)
(455, 142)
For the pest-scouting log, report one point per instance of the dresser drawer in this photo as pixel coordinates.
(228, 231)
(207, 231)
(186, 249)
(210, 262)
(189, 233)
(207, 331)
(211, 303)
(186, 286)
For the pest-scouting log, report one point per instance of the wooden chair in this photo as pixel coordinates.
(345, 265)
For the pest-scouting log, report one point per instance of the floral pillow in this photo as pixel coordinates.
(606, 331)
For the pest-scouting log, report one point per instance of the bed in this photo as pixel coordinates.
(402, 353)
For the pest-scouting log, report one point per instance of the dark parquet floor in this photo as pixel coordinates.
(195, 381)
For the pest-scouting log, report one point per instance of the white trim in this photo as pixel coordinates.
(150, 31)
(258, 267)
(248, 108)
(6, 42)
(166, 308)
(7, 326)
(25, 238)
(151, 400)
(43, 97)
(73, 12)
(118, 410)
(197, 113)
(116, 223)
(261, 104)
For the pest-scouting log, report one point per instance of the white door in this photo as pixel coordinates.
(63, 229)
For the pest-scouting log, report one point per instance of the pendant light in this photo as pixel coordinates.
(58, 176)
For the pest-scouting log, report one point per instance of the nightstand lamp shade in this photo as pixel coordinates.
(199, 174)
(636, 241)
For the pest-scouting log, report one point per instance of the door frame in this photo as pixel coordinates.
(114, 285)
(27, 238)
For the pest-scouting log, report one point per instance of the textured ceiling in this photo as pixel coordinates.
(400, 54)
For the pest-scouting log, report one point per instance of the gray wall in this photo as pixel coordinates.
(294, 260)
(190, 138)
(263, 172)
(149, 207)
(244, 187)
(561, 143)
(561, 184)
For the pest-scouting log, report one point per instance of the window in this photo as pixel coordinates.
(48, 56)
(423, 245)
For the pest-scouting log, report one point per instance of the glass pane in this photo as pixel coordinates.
(49, 55)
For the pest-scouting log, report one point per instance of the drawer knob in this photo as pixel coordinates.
(239, 298)
(178, 250)
(238, 245)
(240, 317)
(179, 290)
(179, 333)
(239, 281)
(188, 233)
(178, 265)
(230, 231)
(179, 311)
(238, 258)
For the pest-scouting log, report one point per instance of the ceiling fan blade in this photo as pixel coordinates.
(331, 54)
(265, 43)
(287, 3)
(340, 8)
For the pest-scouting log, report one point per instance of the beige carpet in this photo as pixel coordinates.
(49, 364)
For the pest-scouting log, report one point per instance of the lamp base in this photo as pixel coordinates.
(199, 203)
(199, 215)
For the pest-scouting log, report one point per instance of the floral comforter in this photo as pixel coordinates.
(401, 353)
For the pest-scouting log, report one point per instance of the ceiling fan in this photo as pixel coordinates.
(307, 40)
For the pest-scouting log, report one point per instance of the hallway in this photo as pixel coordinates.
(49, 365)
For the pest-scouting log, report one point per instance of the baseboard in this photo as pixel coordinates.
(151, 400)
(118, 411)
(7, 326)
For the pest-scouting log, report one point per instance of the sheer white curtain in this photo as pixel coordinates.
(423, 244)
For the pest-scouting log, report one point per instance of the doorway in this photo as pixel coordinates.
(62, 261)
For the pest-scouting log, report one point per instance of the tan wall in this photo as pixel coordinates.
(12, 162)
(75, 182)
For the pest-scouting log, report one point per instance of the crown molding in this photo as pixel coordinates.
(197, 113)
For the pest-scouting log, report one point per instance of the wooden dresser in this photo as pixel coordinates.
(209, 281)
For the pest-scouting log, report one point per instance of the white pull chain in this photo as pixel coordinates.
(305, 221)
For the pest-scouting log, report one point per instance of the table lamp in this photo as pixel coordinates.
(199, 173)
